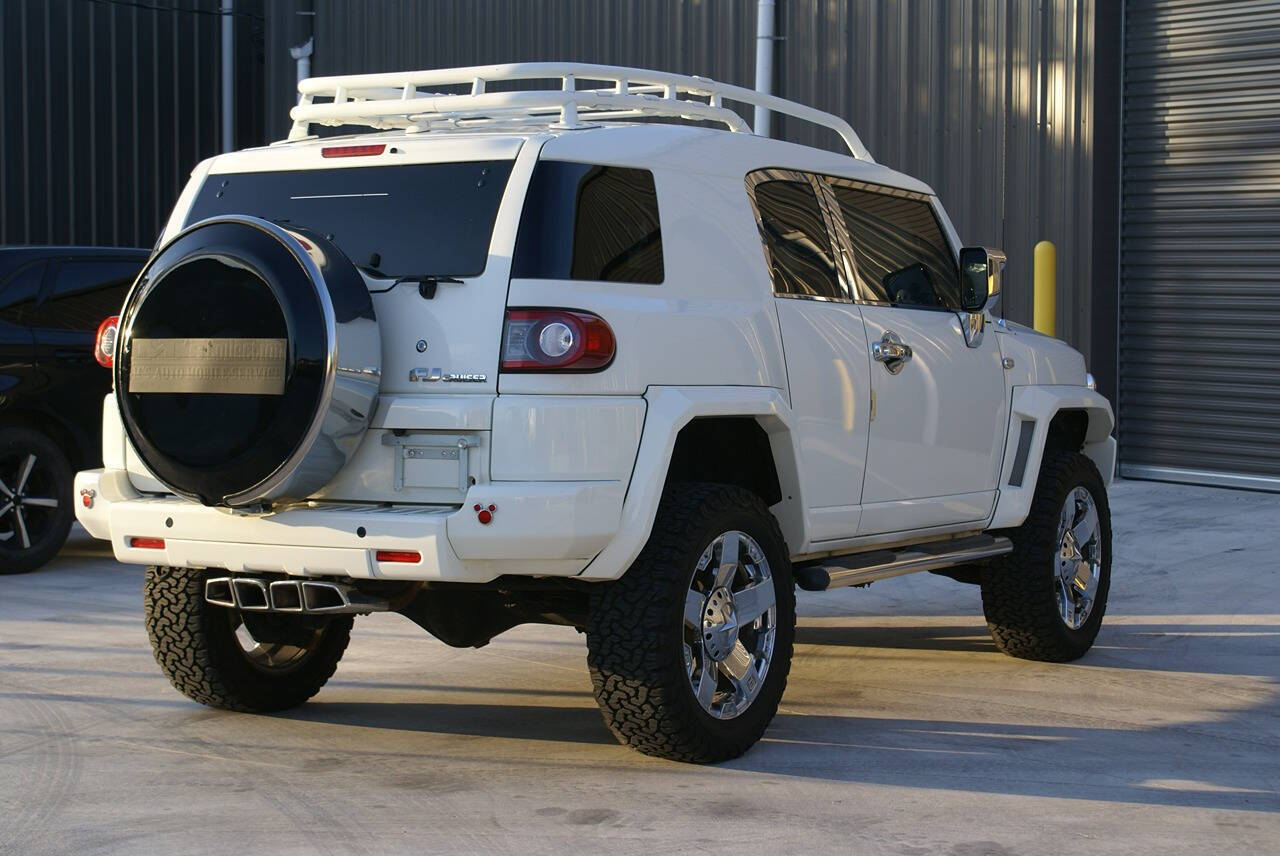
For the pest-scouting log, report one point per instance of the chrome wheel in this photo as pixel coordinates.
(730, 623)
(1079, 560)
(269, 656)
(28, 500)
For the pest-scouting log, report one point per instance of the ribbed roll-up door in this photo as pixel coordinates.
(1200, 279)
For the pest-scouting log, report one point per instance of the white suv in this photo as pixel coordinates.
(555, 355)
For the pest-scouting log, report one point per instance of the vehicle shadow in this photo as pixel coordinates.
(521, 722)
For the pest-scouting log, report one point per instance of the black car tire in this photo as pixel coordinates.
(640, 676)
(49, 479)
(1019, 597)
(197, 648)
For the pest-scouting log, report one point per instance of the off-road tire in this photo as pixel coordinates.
(634, 644)
(195, 645)
(14, 559)
(1017, 589)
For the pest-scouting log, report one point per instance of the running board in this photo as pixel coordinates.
(860, 568)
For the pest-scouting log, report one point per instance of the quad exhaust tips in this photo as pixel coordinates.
(311, 597)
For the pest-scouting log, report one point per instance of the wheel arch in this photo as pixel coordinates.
(694, 434)
(74, 445)
(1044, 419)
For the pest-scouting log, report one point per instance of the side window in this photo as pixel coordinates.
(85, 292)
(796, 240)
(585, 222)
(902, 256)
(18, 293)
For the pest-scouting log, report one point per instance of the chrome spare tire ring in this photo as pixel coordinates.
(730, 624)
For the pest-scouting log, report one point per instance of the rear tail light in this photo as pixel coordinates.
(541, 340)
(146, 543)
(104, 347)
(351, 151)
(408, 556)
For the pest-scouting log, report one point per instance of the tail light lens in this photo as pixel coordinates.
(104, 347)
(543, 340)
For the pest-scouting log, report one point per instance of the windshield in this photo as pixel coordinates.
(413, 220)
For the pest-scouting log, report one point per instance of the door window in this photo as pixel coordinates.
(18, 293)
(86, 292)
(797, 245)
(903, 258)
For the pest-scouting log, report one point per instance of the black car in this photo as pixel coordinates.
(52, 300)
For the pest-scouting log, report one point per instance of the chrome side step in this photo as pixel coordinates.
(859, 568)
(312, 597)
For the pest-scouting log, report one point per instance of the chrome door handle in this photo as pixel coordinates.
(890, 351)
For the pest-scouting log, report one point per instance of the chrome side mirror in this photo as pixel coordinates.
(981, 272)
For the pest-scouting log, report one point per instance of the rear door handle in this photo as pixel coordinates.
(890, 351)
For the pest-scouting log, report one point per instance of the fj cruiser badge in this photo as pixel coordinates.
(437, 376)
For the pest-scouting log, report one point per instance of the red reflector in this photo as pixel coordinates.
(351, 151)
(146, 543)
(104, 346)
(398, 556)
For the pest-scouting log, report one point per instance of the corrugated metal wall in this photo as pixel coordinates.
(104, 109)
(1200, 279)
(987, 100)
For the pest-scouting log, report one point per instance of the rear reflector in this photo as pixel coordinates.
(549, 340)
(351, 151)
(104, 346)
(398, 556)
(146, 543)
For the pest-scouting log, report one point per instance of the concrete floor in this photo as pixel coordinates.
(902, 730)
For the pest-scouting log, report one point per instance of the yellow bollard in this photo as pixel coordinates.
(1045, 314)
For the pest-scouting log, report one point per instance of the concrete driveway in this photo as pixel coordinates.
(902, 730)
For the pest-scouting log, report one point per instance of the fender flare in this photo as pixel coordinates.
(1032, 410)
(670, 408)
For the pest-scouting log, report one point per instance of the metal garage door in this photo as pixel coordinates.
(1200, 254)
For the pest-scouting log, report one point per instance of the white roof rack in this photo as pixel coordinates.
(405, 100)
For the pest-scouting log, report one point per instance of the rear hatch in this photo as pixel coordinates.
(417, 218)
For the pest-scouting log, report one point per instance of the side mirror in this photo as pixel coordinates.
(981, 270)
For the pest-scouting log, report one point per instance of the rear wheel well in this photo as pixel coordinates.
(729, 450)
(1067, 431)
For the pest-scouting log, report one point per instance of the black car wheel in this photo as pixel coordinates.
(35, 500)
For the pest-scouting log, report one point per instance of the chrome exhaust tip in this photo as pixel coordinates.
(324, 598)
(251, 595)
(316, 597)
(217, 591)
(286, 596)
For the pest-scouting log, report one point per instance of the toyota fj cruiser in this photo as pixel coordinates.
(559, 355)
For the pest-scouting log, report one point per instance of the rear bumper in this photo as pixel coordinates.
(536, 529)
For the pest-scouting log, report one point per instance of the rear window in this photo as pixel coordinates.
(588, 222)
(412, 220)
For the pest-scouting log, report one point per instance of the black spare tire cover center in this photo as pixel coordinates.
(227, 359)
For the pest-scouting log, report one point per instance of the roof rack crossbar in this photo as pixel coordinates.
(406, 100)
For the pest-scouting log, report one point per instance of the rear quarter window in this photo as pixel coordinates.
(588, 222)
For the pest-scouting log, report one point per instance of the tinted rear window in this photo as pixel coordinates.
(589, 222)
(419, 219)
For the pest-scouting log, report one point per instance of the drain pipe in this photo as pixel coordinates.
(765, 15)
(228, 76)
(304, 40)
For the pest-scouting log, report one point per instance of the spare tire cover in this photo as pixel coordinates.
(248, 362)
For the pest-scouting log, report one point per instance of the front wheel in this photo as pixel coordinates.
(1046, 599)
(689, 651)
(221, 657)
